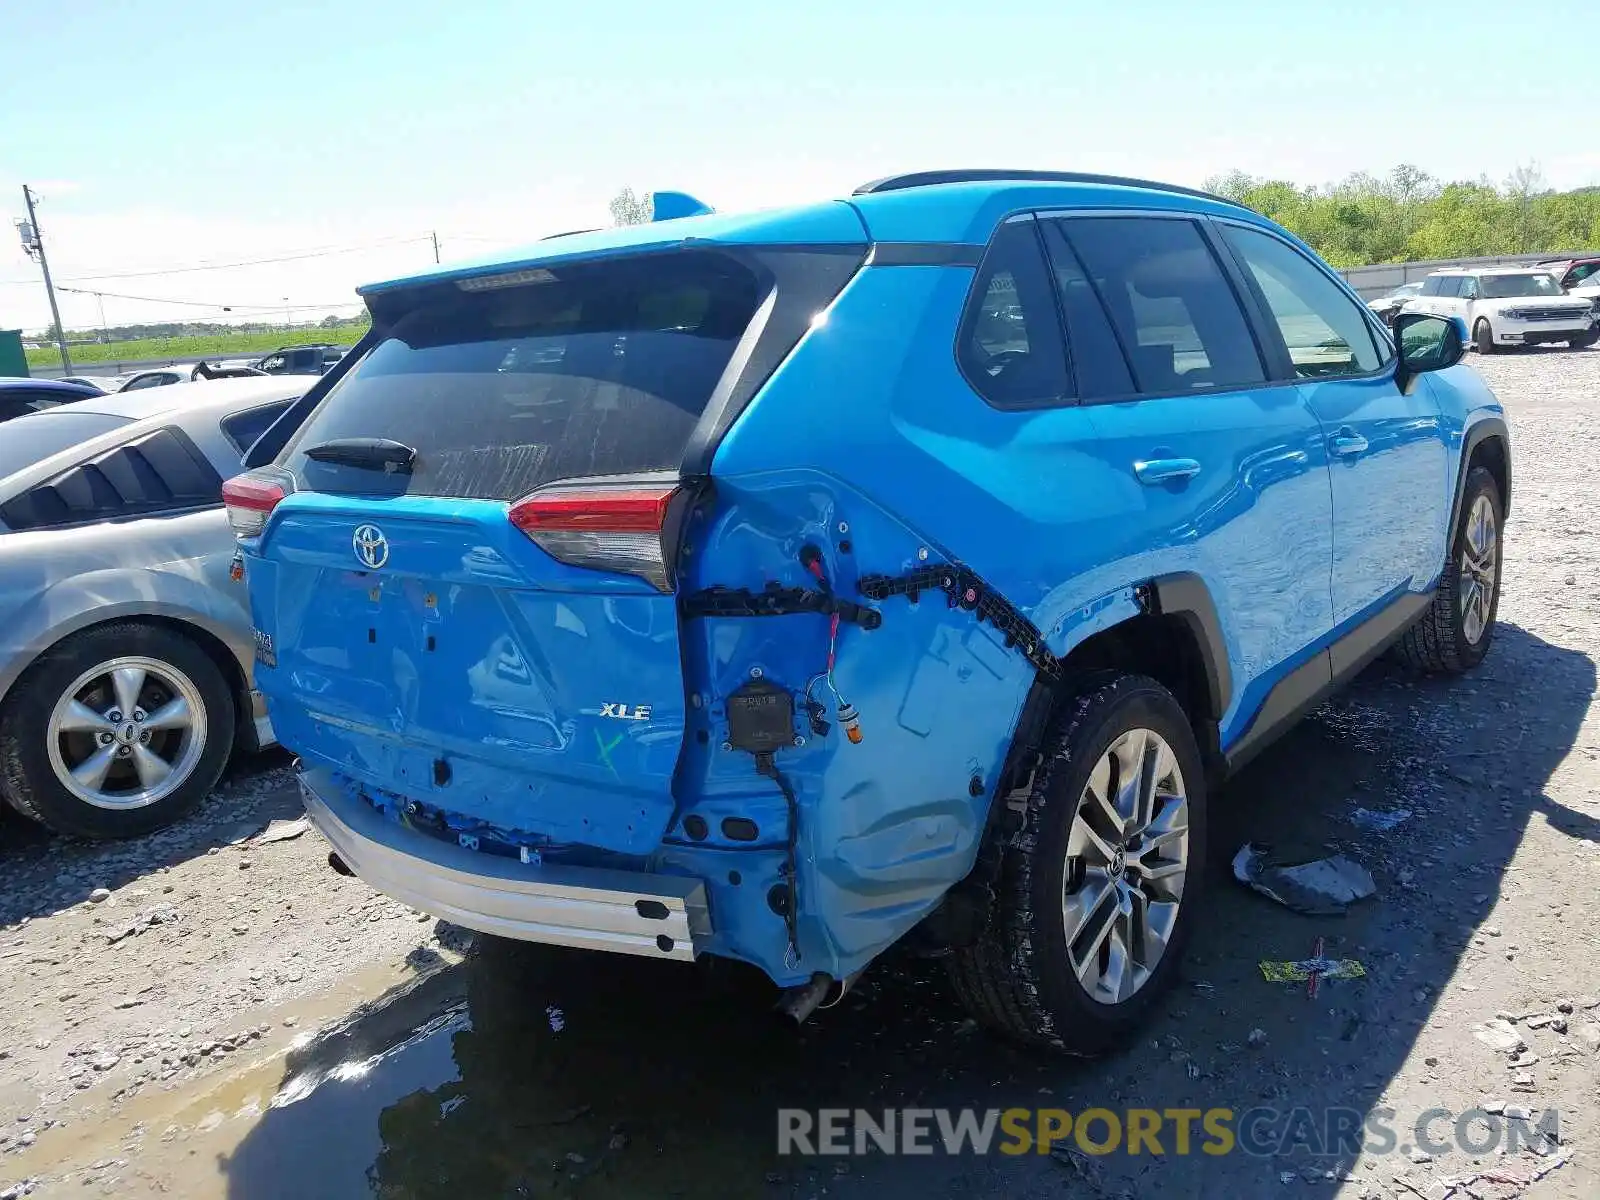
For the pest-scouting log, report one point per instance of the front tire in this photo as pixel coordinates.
(1483, 337)
(1584, 340)
(1099, 890)
(1455, 632)
(115, 731)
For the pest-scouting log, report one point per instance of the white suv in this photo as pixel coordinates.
(1508, 306)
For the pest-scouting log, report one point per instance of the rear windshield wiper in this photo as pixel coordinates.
(375, 453)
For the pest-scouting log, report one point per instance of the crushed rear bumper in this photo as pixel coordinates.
(657, 916)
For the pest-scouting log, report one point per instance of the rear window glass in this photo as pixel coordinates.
(32, 439)
(604, 371)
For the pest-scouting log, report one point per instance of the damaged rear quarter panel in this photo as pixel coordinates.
(886, 826)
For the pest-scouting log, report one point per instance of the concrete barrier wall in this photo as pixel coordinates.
(1382, 279)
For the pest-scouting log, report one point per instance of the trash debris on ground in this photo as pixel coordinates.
(1499, 1034)
(284, 831)
(1323, 888)
(1086, 1168)
(1306, 969)
(557, 1018)
(1379, 822)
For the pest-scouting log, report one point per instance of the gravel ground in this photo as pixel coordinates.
(156, 1034)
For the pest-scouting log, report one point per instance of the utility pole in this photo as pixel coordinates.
(105, 334)
(36, 242)
(434, 234)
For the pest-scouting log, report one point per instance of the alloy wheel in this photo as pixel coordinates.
(1127, 858)
(127, 733)
(1478, 559)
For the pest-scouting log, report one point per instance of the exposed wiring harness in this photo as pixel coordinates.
(766, 765)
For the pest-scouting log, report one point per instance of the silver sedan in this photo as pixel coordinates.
(125, 644)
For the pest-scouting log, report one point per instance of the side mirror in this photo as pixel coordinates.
(1427, 343)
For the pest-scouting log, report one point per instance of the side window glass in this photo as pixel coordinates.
(1469, 288)
(1010, 346)
(1326, 334)
(1098, 359)
(1172, 307)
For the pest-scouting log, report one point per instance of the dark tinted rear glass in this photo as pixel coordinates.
(30, 439)
(604, 371)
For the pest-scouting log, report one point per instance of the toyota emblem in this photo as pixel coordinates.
(371, 547)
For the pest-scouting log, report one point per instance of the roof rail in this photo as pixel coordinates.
(898, 183)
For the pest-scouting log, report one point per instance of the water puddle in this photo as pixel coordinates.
(530, 1071)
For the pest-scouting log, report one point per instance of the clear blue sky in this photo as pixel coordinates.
(170, 132)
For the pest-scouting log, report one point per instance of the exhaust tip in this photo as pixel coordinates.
(339, 866)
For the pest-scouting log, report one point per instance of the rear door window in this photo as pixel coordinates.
(603, 369)
(1098, 359)
(1173, 309)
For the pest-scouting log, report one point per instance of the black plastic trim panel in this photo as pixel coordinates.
(1186, 597)
(1480, 432)
(925, 254)
(1309, 684)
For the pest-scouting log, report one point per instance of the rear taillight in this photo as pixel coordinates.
(250, 499)
(606, 527)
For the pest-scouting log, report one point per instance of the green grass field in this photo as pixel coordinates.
(238, 345)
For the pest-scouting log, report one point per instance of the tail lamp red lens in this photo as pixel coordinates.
(604, 527)
(250, 499)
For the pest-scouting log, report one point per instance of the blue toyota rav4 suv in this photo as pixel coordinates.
(782, 586)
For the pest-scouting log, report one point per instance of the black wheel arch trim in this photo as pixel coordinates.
(1185, 595)
(1476, 434)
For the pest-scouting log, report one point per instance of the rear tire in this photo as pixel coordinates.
(1483, 337)
(1046, 972)
(73, 761)
(1455, 632)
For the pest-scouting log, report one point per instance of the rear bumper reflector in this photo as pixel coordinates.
(656, 916)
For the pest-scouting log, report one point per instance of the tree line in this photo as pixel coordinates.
(1409, 215)
(177, 329)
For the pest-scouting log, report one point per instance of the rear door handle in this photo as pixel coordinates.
(1346, 444)
(1154, 471)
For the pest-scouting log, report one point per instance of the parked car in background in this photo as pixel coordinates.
(1573, 272)
(125, 649)
(1508, 306)
(1387, 306)
(88, 381)
(158, 377)
(21, 396)
(185, 373)
(313, 359)
(615, 600)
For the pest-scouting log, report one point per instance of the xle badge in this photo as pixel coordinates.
(621, 712)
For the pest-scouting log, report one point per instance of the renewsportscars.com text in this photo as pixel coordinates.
(1262, 1132)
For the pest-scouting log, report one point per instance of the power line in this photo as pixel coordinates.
(207, 303)
(256, 262)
